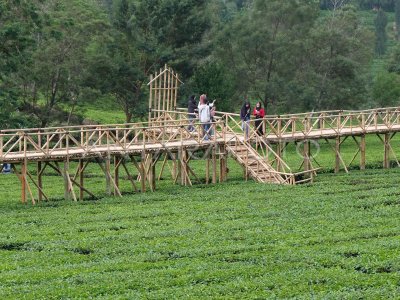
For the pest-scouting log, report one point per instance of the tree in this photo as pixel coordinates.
(52, 75)
(387, 5)
(380, 31)
(394, 61)
(215, 81)
(397, 17)
(144, 36)
(20, 23)
(335, 61)
(386, 89)
(258, 44)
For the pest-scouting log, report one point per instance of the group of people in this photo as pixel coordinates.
(245, 114)
(205, 112)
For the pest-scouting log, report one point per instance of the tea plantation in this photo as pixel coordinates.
(335, 239)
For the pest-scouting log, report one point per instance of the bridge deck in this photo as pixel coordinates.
(76, 152)
(332, 133)
(104, 150)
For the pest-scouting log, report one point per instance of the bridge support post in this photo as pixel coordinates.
(66, 181)
(207, 170)
(117, 163)
(279, 151)
(81, 179)
(39, 180)
(222, 163)
(214, 164)
(362, 152)
(108, 175)
(181, 164)
(151, 172)
(23, 181)
(143, 173)
(175, 173)
(307, 158)
(337, 155)
(386, 158)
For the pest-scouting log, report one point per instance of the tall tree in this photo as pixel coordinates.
(145, 35)
(335, 61)
(19, 24)
(380, 31)
(261, 46)
(397, 17)
(55, 76)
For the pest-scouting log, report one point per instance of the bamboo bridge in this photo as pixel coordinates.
(167, 137)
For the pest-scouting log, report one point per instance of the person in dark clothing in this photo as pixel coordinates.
(245, 114)
(192, 109)
(259, 114)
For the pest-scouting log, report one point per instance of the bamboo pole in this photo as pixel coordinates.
(222, 163)
(337, 154)
(23, 181)
(307, 155)
(362, 152)
(214, 165)
(207, 170)
(176, 90)
(150, 97)
(158, 89)
(81, 179)
(386, 156)
(164, 85)
(169, 102)
(143, 172)
(66, 181)
(117, 162)
(39, 181)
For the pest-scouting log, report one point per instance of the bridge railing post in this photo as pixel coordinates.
(363, 121)
(1, 144)
(279, 131)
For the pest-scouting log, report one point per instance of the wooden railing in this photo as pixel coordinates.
(324, 124)
(173, 127)
(84, 141)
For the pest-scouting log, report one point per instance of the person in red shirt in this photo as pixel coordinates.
(259, 114)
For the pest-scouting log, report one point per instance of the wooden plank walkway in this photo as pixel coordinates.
(169, 135)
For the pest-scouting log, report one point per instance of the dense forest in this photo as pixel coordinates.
(57, 57)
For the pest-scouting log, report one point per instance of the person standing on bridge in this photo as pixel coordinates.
(259, 114)
(204, 116)
(192, 109)
(245, 114)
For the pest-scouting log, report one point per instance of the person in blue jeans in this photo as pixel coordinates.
(245, 114)
(204, 116)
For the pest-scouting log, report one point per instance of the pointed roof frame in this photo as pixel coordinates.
(162, 73)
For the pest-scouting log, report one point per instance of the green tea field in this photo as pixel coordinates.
(337, 238)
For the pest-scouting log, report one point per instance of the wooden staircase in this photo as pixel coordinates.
(255, 165)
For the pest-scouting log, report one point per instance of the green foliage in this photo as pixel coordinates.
(328, 56)
(19, 22)
(380, 31)
(338, 52)
(386, 89)
(394, 62)
(215, 81)
(55, 57)
(337, 238)
(397, 17)
(387, 5)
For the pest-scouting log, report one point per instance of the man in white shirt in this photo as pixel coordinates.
(204, 116)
